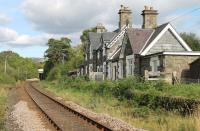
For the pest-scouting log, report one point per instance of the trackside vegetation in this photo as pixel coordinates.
(13, 68)
(17, 67)
(3, 96)
(149, 105)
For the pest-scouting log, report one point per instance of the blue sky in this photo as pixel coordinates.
(26, 25)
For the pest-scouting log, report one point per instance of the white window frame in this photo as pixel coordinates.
(86, 70)
(104, 67)
(98, 55)
(128, 65)
(91, 53)
(90, 67)
(86, 56)
(154, 63)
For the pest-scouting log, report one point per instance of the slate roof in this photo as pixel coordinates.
(107, 36)
(96, 39)
(139, 37)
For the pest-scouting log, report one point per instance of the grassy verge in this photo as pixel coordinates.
(113, 98)
(3, 96)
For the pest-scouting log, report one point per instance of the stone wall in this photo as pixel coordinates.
(145, 64)
(179, 64)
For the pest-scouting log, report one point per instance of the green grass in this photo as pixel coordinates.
(113, 98)
(3, 97)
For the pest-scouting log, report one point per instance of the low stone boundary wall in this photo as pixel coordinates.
(182, 105)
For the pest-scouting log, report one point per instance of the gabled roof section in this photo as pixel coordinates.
(155, 34)
(138, 38)
(108, 36)
(158, 33)
(95, 40)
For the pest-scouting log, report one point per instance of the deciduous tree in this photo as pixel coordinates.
(192, 40)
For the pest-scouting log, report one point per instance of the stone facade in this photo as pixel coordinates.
(179, 64)
(131, 51)
(168, 64)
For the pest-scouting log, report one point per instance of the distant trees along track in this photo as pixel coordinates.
(61, 116)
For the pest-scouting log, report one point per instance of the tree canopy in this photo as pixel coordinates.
(84, 37)
(18, 68)
(57, 53)
(192, 40)
(58, 50)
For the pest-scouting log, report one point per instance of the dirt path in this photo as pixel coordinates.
(23, 115)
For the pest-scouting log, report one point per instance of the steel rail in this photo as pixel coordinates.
(83, 117)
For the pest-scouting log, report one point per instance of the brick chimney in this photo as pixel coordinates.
(100, 28)
(149, 18)
(125, 17)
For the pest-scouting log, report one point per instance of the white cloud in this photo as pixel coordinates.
(4, 19)
(7, 34)
(12, 38)
(69, 16)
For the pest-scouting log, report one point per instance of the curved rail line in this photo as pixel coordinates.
(45, 102)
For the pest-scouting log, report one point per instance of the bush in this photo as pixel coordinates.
(125, 88)
(54, 74)
(104, 88)
(6, 79)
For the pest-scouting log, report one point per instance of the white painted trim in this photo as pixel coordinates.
(182, 42)
(182, 53)
(180, 39)
(117, 37)
(114, 54)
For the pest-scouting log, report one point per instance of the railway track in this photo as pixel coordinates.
(61, 116)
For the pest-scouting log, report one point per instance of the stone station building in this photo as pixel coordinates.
(153, 52)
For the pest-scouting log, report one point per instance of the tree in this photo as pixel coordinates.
(57, 53)
(76, 57)
(192, 40)
(85, 37)
(58, 50)
(18, 68)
